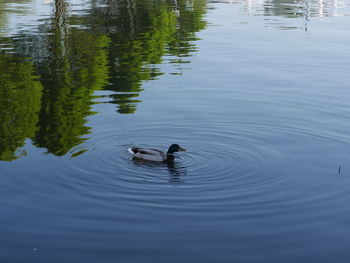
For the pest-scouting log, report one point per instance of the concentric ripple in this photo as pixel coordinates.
(242, 167)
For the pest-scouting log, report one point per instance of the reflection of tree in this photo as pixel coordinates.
(141, 33)
(75, 67)
(19, 104)
(189, 21)
(133, 54)
(120, 43)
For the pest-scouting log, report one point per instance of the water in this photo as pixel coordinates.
(257, 91)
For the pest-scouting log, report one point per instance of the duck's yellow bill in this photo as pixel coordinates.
(182, 149)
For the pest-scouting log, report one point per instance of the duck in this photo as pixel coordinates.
(155, 155)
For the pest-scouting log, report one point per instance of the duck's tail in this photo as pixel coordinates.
(132, 151)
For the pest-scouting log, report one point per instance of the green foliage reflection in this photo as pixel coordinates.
(142, 32)
(116, 45)
(20, 95)
(74, 69)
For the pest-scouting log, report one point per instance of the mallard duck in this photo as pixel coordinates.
(155, 155)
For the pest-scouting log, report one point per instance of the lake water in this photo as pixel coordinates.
(256, 91)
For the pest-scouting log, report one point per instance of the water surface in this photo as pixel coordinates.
(257, 91)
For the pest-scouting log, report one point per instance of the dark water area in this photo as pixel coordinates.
(256, 91)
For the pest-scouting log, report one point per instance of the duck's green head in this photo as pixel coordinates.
(175, 148)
